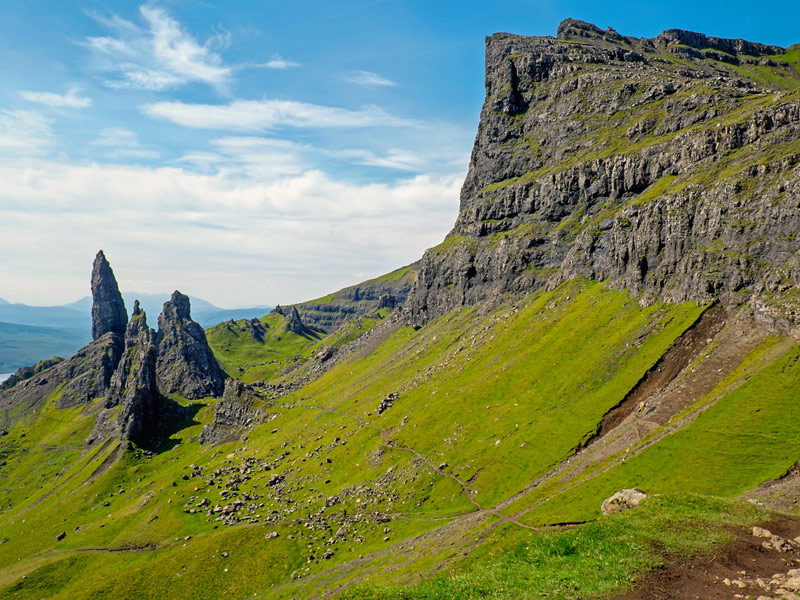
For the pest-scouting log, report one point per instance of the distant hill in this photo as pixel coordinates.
(60, 317)
(23, 345)
(77, 315)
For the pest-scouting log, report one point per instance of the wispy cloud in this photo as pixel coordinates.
(160, 56)
(278, 62)
(69, 100)
(272, 241)
(24, 133)
(122, 143)
(393, 159)
(369, 79)
(259, 115)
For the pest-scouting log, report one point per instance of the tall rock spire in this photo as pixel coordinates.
(108, 308)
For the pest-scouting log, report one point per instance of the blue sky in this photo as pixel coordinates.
(258, 152)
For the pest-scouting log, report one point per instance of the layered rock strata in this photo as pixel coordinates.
(667, 166)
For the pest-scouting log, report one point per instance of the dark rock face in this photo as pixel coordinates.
(652, 164)
(133, 387)
(234, 414)
(185, 365)
(108, 308)
(88, 373)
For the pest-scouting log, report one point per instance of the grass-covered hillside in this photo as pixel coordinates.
(615, 308)
(461, 447)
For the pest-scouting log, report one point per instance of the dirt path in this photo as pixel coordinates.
(743, 568)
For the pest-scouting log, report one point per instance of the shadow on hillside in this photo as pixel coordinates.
(173, 417)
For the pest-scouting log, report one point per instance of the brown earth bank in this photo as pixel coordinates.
(759, 564)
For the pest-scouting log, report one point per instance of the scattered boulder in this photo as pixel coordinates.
(623, 500)
(387, 402)
(61, 536)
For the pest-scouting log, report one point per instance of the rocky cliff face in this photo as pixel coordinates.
(186, 365)
(87, 375)
(668, 166)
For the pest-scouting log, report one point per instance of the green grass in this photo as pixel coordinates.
(498, 396)
(245, 357)
(591, 561)
(749, 435)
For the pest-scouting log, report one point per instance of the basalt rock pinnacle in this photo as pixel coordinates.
(133, 387)
(108, 308)
(186, 365)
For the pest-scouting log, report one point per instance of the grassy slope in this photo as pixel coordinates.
(498, 398)
(245, 357)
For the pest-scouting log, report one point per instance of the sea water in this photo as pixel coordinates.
(4, 376)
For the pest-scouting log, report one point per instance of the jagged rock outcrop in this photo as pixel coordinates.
(235, 413)
(131, 406)
(108, 308)
(293, 321)
(667, 166)
(185, 365)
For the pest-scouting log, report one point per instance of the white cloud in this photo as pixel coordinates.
(393, 159)
(278, 62)
(227, 239)
(69, 100)
(259, 115)
(24, 133)
(163, 55)
(369, 79)
(122, 143)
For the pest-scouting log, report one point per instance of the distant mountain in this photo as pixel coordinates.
(209, 318)
(24, 345)
(29, 334)
(45, 316)
(77, 315)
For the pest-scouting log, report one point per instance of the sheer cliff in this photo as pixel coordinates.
(667, 166)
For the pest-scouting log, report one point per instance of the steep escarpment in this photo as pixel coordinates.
(667, 166)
